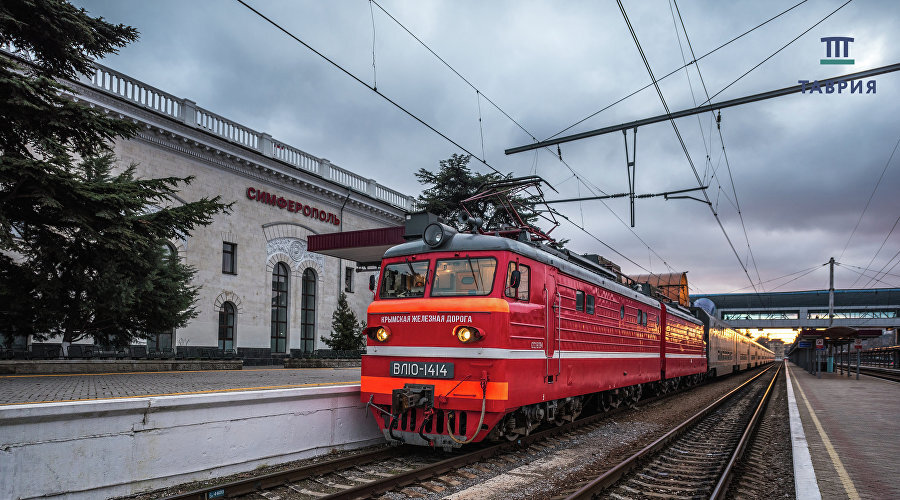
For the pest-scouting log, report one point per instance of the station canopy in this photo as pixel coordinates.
(365, 247)
(839, 333)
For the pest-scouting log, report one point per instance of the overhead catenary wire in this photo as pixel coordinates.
(681, 141)
(722, 141)
(813, 268)
(579, 122)
(798, 277)
(593, 188)
(880, 271)
(370, 87)
(862, 273)
(869, 201)
(883, 242)
(864, 269)
(807, 30)
(374, 69)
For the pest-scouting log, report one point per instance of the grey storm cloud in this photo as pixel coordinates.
(803, 166)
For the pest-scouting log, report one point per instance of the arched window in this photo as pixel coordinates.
(280, 277)
(226, 326)
(308, 311)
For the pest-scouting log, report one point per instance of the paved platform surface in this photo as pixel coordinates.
(22, 389)
(852, 428)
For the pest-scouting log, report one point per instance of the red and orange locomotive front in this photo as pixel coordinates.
(438, 336)
(474, 336)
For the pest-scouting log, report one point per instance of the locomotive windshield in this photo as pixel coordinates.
(467, 276)
(404, 279)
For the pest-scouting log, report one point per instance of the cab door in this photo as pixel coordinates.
(552, 308)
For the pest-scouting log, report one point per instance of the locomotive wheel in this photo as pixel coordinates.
(634, 395)
(512, 436)
(603, 403)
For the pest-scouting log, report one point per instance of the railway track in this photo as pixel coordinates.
(766, 471)
(392, 469)
(694, 460)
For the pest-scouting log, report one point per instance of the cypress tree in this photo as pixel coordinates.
(83, 249)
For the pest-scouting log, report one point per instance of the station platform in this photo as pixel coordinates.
(104, 435)
(55, 388)
(850, 428)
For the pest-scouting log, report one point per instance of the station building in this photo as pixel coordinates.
(261, 291)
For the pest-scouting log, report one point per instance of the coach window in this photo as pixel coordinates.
(468, 276)
(590, 304)
(226, 326)
(579, 300)
(229, 258)
(520, 293)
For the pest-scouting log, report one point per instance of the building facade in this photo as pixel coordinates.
(260, 289)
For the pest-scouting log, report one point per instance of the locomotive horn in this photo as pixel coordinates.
(465, 219)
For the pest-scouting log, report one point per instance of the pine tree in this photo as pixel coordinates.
(346, 329)
(454, 182)
(82, 250)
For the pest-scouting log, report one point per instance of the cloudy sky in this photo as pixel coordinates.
(803, 167)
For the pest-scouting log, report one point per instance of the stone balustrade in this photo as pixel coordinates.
(186, 111)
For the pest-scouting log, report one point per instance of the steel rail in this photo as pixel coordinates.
(275, 479)
(406, 478)
(611, 476)
(725, 479)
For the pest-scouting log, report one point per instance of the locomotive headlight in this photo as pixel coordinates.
(467, 334)
(436, 234)
(379, 333)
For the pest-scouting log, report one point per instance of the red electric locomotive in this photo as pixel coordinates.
(477, 336)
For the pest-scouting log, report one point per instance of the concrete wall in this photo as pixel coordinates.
(99, 449)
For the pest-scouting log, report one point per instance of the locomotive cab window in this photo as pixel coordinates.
(404, 280)
(579, 300)
(590, 304)
(519, 292)
(467, 276)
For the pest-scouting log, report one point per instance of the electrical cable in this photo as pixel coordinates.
(722, 141)
(862, 274)
(864, 269)
(374, 69)
(777, 51)
(579, 122)
(373, 89)
(869, 266)
(681, 140)
(620, 254)
(687, 74)
(592, 188)
(884, 266)
(798, 277)
(877, 183)
(451, 68)
(780, 277)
